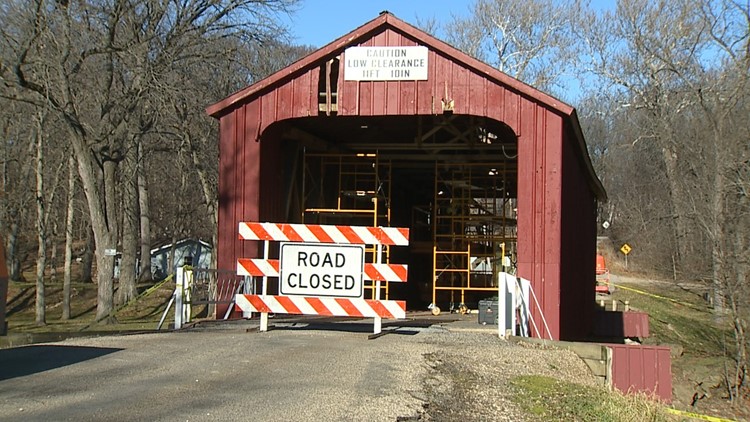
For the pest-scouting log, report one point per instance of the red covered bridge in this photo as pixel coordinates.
(389, 126)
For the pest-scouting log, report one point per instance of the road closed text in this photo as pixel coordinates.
(321, 270)
(337, 282)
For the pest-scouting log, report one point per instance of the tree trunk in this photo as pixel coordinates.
(52, 240)
(742, 368)
(172, 261)
(87, 258)
(718, 272)
(130, 229)
(179, 226)
(669, 155)
(209, 198)
(102, 225)
(69, 238)
(14, 263)
(105, 237)
(145, 223)
(41, 317)
(41, 229)
(105, 265)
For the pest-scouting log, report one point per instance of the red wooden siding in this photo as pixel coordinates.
(578, 240)
(539, 186)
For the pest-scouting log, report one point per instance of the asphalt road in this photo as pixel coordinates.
(293, 373)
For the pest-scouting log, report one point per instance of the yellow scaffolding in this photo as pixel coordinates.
(349, 189)
(473, 229)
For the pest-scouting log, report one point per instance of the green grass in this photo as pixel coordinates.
(682, 319)
(140, 315)
(546, 399)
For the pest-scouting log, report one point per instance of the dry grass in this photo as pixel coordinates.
(546, 398)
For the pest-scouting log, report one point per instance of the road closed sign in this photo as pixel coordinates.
(314, 269)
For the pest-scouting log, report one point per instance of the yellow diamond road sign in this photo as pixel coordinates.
(626, 249)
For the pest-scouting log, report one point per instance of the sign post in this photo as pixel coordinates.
(179, 291)
(264, 291)
(625, 249)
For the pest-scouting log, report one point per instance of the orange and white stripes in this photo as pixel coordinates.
(314, 305)
(258, 267)
(327, 306)
(313, 233)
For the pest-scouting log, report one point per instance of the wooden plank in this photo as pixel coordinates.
(285, 102)
(477, 94)
(303, 103)
(461, 88)
(249, 195)
(226, 189)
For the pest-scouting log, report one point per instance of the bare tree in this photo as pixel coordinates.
(17, 183)
(93, 64)
(681, 68)
(41, 221)
(130, 227)
(144, 218)
(528, 40)
(69, 217)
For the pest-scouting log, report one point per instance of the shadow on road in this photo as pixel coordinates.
(22, 361)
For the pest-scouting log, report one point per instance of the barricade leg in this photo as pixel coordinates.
(264, 315)
(378, 321)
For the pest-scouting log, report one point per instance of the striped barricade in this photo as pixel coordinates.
(327, 306)
(313, 233)
(314, 298)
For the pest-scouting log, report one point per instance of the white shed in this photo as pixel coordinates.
(197, 250)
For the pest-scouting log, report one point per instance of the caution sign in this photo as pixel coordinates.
(314, 269)
(386, 63)
(625, 249)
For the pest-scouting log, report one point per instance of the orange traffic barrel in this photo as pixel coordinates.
(601, 266)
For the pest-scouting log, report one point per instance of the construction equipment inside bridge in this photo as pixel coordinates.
(451, 179)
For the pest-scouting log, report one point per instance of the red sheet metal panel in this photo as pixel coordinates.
(642, 369)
